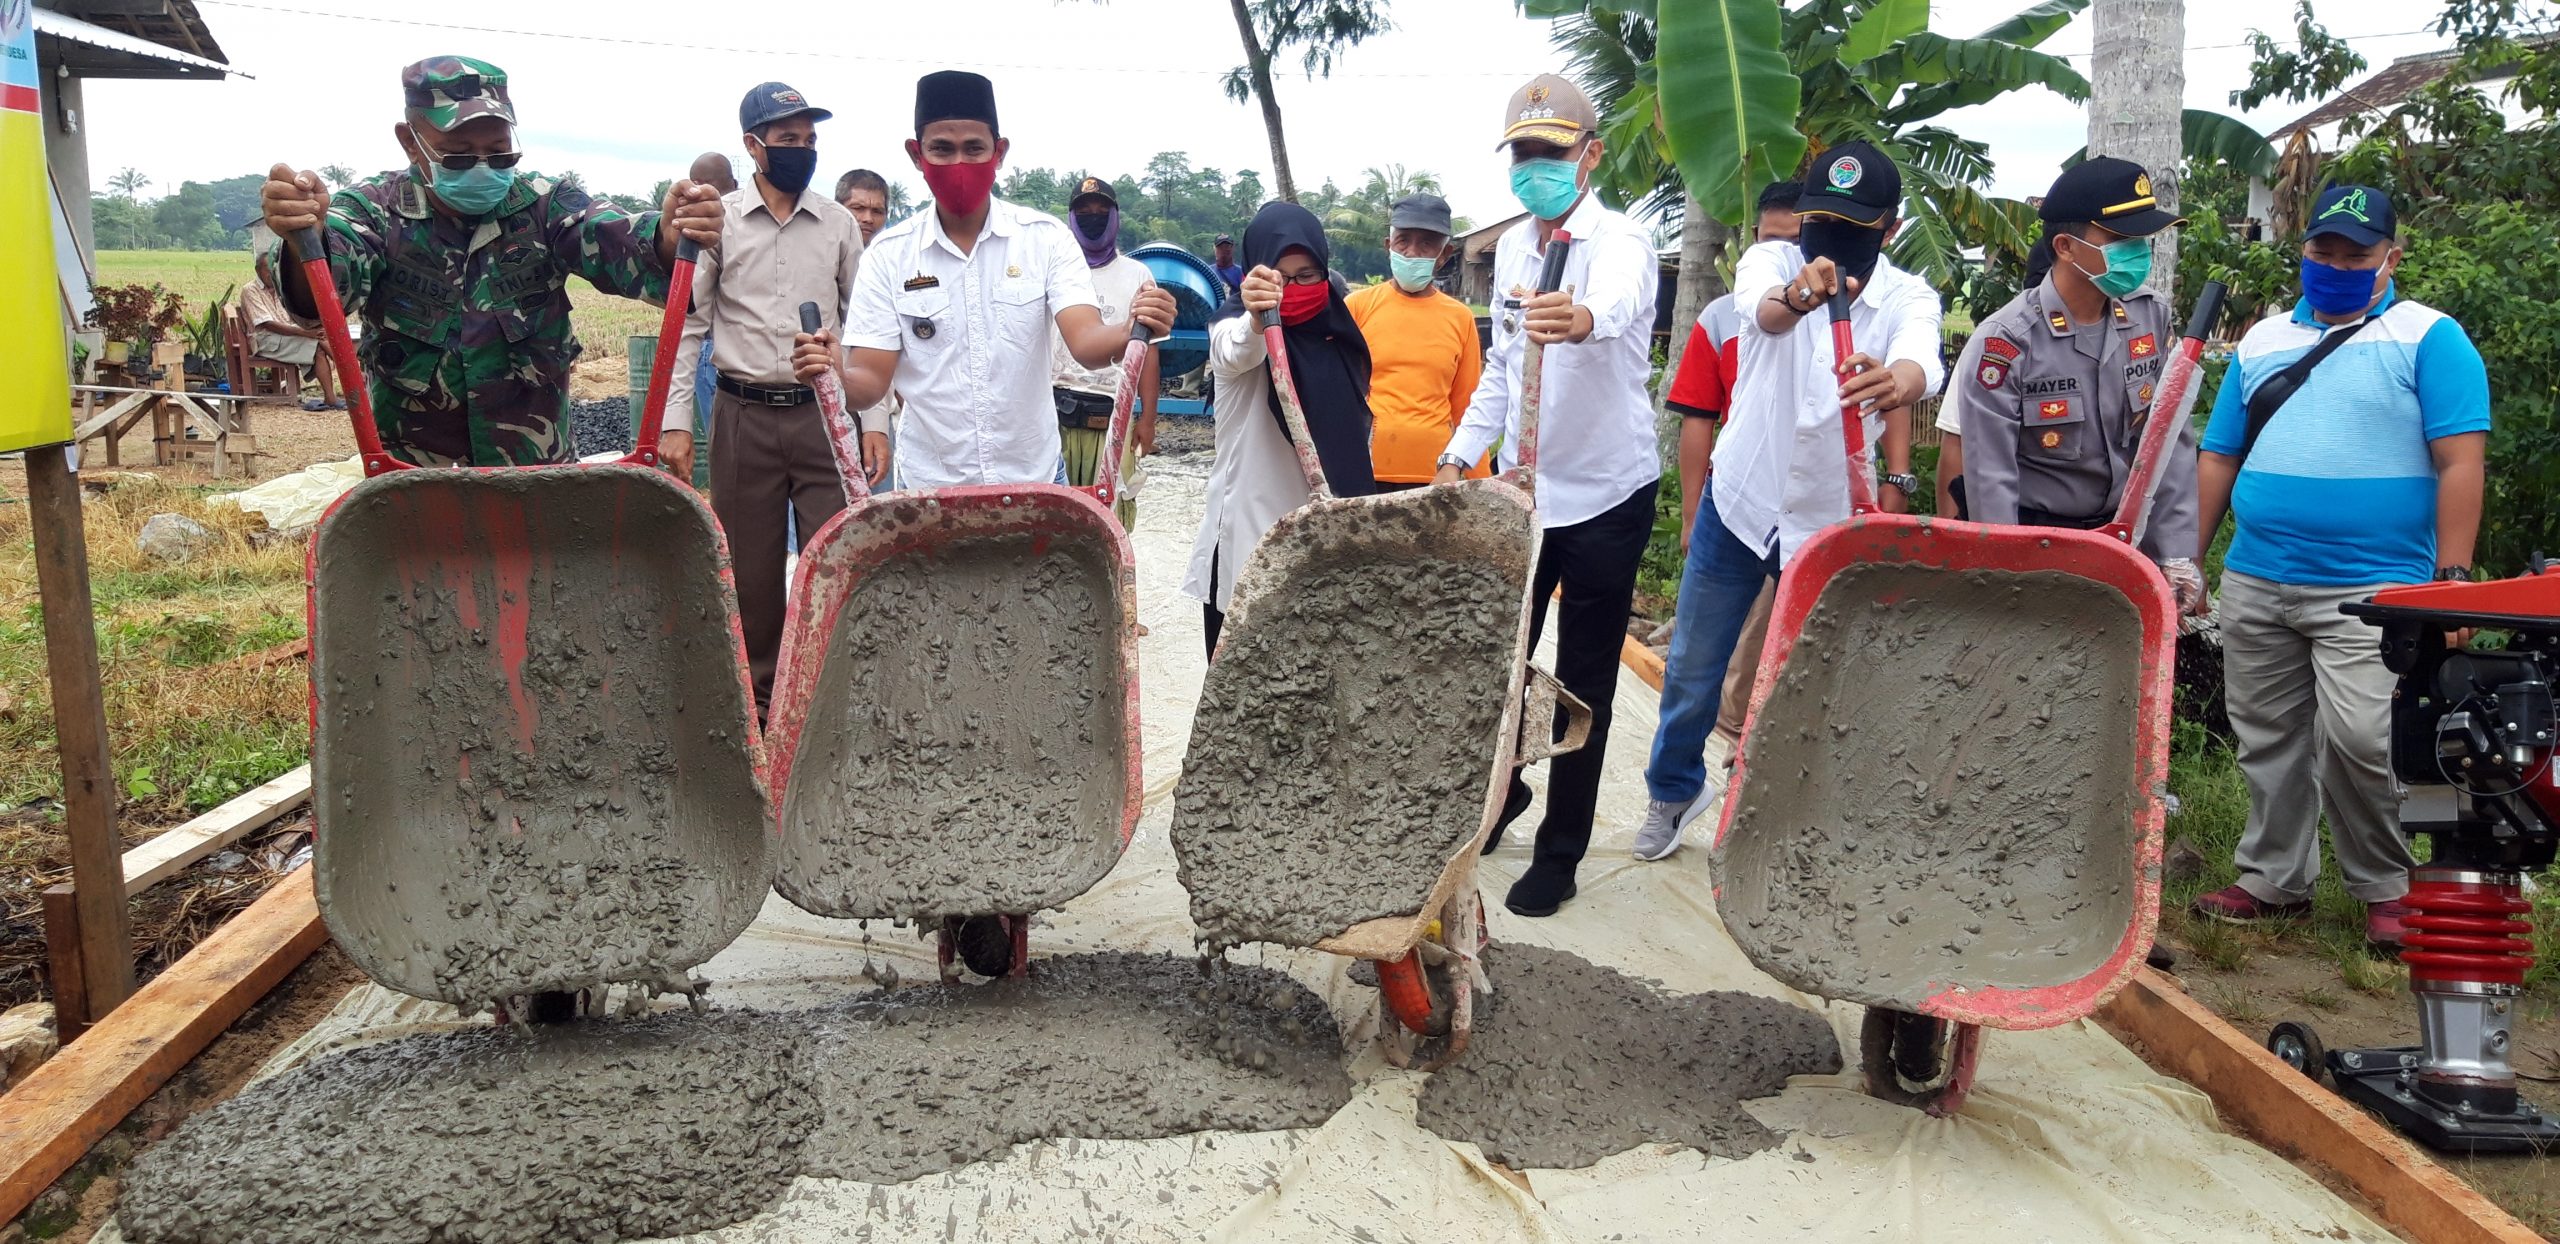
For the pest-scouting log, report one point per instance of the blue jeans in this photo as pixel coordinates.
(1717, 586)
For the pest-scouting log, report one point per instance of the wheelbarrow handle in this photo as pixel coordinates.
(1276, 345)
(312, 248)
(842, 437)
(662, 366)
(1533, 376)
(1124, 405)
(1853, 421)
(2172, 407)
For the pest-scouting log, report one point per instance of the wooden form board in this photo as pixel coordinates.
(55, 1115)
(255, 808)
(2277, 1106)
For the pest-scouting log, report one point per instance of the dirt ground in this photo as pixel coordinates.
(83, 1200)
(2275, 982)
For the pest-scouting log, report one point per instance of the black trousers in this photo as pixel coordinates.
(1595, 561)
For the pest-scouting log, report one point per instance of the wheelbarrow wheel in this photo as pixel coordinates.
(986, 944)
(1430, 994)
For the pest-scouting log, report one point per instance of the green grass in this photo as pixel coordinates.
(603, 323)
(186, 730)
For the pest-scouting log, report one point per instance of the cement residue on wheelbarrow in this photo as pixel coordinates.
(1883, 857)
(964, 751)
(1332, 785)
(534, 768)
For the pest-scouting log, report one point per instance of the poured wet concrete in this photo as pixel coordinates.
(1340, 753)
(611, 1130)
(1572, 1062)
(1940, 788)
(964, 752)
(588, 1132)
(533, 768)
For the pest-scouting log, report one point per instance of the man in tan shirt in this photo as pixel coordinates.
(784, 244)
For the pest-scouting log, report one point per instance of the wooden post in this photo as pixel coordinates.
(80, 724)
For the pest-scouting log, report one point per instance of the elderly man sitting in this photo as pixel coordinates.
(274, 337)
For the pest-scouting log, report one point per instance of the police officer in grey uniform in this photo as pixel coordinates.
(2054, 386)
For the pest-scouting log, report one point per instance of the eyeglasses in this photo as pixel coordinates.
(1314, 277)
(465, 163)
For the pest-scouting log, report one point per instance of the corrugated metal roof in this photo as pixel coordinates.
(73, 29)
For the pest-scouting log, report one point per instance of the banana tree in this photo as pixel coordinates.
(1725, 95)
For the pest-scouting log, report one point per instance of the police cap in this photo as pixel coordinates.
(2113, 194)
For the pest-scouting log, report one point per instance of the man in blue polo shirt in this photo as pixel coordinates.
(2367, 475)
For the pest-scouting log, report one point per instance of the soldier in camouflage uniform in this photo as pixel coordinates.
(457, 267)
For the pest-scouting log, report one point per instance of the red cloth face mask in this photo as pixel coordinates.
(960, 188)
(1299, 303)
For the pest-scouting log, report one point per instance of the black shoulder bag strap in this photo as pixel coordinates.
(2281, 386)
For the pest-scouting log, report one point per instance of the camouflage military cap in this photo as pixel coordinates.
(445, 91)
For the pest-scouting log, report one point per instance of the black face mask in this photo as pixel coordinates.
(790, 168)
(1850, 248)
(1091, 226)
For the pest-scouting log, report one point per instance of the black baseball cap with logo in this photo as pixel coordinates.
(1854, 182)
(2360, 214)
(2113, 194)
(1092, 188)
(774, 101)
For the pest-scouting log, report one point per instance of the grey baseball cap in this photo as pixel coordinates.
(1427, 212)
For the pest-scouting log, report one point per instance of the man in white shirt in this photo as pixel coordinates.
(954, 308)
(1085, 395)
(1597, 465)
(785, 243)
(1781, 470)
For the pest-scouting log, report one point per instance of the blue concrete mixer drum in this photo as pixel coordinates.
(1197, 292)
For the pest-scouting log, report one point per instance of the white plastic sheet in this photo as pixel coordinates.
(292, 504)
(2068, 1137)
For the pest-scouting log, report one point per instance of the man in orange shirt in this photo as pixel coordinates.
(1423, 353)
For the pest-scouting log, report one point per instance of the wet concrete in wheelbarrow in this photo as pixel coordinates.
(1571, 1062)
(1940, 789)
(965, 749)
(533, 765)
(610, 1130)
(1340, 752)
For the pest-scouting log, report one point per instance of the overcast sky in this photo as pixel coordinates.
(629, 92)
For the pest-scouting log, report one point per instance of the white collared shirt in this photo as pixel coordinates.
(972, 337)
(1781, 469)
(1595, 430)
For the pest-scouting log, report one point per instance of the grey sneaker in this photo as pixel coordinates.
(1665, 821)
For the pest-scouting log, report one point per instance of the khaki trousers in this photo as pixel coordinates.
(2310, 705)
(771, 458)
(1744, 668)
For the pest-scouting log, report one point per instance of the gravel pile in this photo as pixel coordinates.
(601, 426)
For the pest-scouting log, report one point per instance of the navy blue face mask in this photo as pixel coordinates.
(2337, 291)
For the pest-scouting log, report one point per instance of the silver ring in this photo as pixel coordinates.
(1804, 292)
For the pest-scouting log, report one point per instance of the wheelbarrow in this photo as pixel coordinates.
(1948, 800)
(533, 742)
(954, 725)
(1428, 928)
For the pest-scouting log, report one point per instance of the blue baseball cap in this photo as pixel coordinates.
(2360, 214)
(773, 101)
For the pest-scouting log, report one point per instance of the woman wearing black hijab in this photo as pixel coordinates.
(1256, 477)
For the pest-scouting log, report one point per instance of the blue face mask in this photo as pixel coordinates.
(2337, 291)
(1548, 188)
(1412, 275)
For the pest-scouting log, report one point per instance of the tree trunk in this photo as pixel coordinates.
(2137, 92)
(1258, 63)
(1702, 243)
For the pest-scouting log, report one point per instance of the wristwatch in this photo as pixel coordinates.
(2453, 574)
(1909, 484)
(1452, 460)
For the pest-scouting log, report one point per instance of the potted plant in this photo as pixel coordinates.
(133, 317)
(204, 336)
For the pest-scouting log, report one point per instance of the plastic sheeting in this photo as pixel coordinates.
(292, 504)
(2067, 1137)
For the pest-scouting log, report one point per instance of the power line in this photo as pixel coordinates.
(824, 55)
(2216, 47)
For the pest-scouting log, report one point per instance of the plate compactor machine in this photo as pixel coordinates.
(2472, 736)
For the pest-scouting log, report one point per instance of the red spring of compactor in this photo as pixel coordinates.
(2467, 927)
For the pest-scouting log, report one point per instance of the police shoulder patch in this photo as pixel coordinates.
(2000, 348)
